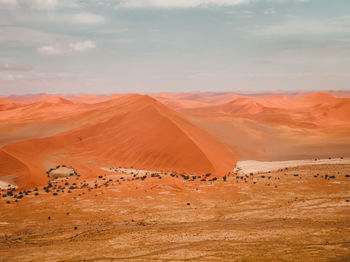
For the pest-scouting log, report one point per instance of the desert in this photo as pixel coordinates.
(174, 130)
(136, 178)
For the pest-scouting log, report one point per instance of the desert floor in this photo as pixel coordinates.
(293, 214)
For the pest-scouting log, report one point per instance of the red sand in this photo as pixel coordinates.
(193, 133)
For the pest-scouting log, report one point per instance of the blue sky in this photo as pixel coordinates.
(120, 46)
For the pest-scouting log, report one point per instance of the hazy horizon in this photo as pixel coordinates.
(243, 93)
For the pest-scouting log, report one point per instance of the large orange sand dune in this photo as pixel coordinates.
(137, 131)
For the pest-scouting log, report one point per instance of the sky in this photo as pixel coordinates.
(149, 46)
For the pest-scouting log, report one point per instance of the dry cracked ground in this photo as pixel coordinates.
(295, 214)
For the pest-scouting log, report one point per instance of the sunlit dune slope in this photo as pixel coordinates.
(137, 131)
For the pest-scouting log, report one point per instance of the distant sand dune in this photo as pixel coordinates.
(253, 166)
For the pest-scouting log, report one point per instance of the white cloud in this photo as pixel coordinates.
(73, 47)
(48, 4)
(82, 46)
(189, 3)
(179, 3)
(87, 18)
(50, 50)
(41, 4)
(285, 1)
